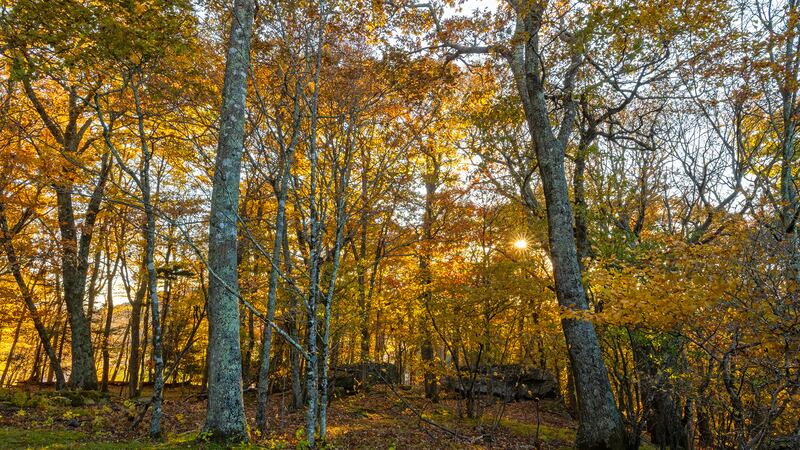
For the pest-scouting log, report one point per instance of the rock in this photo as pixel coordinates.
(349, 377)
(511, 382)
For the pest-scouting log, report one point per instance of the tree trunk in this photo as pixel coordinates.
(427, 350)
(266, 342)
(600, 424)
(145, 329)
(315, 250)
(578, 191)
(341, 219)
(11, 351)
(92, 293)
(135, 321)
(294, 332)
(225, 420)
(361, 275)
(152, 279)
(74, 248)
(74, 269)
(110, 273)
(27, 297)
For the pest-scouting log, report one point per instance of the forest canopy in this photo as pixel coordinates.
(400, 223)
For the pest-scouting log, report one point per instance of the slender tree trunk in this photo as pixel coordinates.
(579, 193)
(166, 350)
(266, 344)
(123, 349)
(11, 351)
(340, 188)
(294, 333)
(326, 333)
(152, 278)
(143, 369)
(110, 273)
(92, 293)
(158, 381)
(63, 339)
(248, 353)
(427, 351)
(225, 420)
(315, 247)
(27, 297)
(135, 321)
(37, 356)
(361, 276)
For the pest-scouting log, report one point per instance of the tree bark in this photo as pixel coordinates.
(225, 420)
(600, 424)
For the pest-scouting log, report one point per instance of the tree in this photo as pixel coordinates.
(226, 419)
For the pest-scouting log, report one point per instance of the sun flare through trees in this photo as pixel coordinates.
(400, 224)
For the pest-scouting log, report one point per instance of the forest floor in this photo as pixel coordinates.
(381, 418)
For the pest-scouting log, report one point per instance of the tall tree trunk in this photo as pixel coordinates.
(143, 369)
(225, 420)
(361, 276)
(315, 249)
(326, 331)
(150, 265)
(426, 278)
(600, 424)
(340, 189)
(158, 379)
(121, 355)
(35, 376)
(74, 247)
(53, 332)
(248, 353)
(266, 342)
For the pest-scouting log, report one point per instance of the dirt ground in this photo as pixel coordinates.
(380, 418)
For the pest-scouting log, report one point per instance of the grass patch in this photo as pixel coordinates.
(546, 433)
(14, 438)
